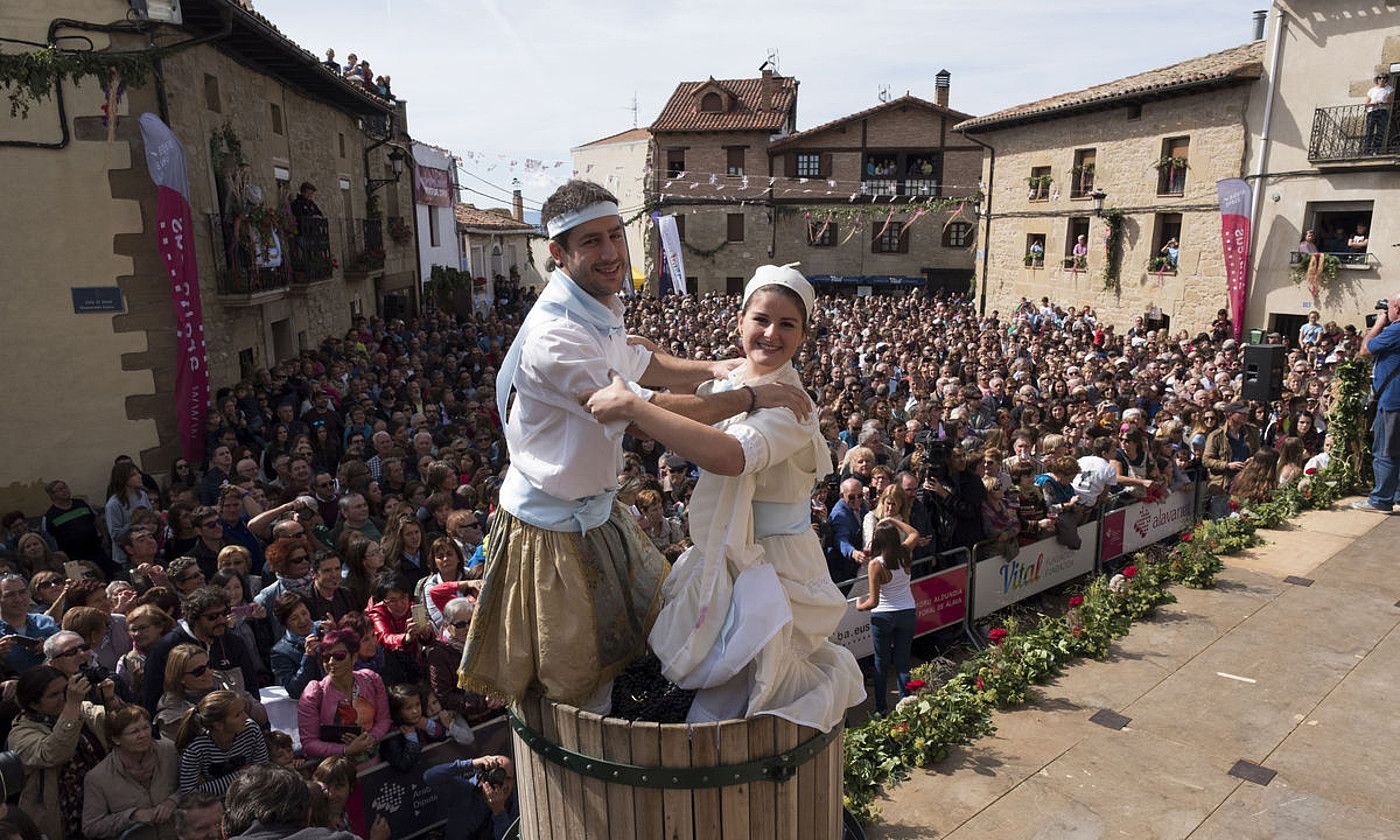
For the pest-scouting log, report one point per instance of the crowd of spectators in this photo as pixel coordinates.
(330, 541)
(356, 71)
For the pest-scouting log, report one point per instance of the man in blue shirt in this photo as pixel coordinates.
(845, 555)
(17, 625)
(1382, 344)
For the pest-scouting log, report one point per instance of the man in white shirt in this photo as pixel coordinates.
(1379, 100)
(572, 585)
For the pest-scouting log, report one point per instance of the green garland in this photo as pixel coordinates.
(706, 252)
(31, 76)
(1346, 421)
(925, 726)
(1113, 249)
(1331, 267)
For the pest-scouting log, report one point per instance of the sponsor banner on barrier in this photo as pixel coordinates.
(1141, 524)
(940, 601)
(1037, 567)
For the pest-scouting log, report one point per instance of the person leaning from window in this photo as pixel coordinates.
(1382, 345)
(136, 784)
(1171, 250)
(60, 736)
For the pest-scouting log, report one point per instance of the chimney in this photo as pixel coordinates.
(1261, 16)
(940, 87)
(768, 89)
(517, 205)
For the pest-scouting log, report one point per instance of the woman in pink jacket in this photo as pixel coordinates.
(346, 712)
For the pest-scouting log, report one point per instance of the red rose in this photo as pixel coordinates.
(1186, 537)
(1310, 471)
(1076, 601)
(1130, 572)
(913, 685)
(980, 687)
(1234, 505)
(997, 635)
(1077, 631)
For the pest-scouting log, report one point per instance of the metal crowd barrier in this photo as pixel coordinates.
(971, 587)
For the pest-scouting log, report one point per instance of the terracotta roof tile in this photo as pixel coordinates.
(903, 100)
(1241, 63)
(748, 113)
(498, 219)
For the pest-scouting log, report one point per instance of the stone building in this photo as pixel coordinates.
(1151, 147)
(621, 163)
(80, 215)
(1314, 168)
(497, 243)
(858, 201)
(862, 199)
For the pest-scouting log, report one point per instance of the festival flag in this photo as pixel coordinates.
(673, 264)
(1235, 199)
(165, 160)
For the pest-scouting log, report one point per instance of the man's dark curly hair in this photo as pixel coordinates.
(574, 195)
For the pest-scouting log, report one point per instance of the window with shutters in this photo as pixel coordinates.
(735, 227)
(1166, 243)
(675, 162)
(890, 238)
(434, 230)
(276, 114)
(1075, 227)
(809, 165)
(1171, 168)
(1081, 175)
(680, 227)
(734, 156)
(821, 234)
(211, 94)
(957, 235)
(1039, 183)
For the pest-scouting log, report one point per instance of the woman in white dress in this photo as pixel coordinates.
(749, 609)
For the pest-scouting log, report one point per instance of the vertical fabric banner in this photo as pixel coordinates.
(165, 159)
(1235, 200)
(671, 252)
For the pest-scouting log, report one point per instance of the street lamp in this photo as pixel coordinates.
(396, 159)
(1098, 196)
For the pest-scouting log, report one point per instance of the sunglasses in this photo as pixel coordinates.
(83, 648)
(336, 656)
(461, 624)
(46, 584)
(216, 616)
(210, 524)
(190, 577)
(197, 672)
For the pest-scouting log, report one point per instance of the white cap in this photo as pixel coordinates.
(786, 276)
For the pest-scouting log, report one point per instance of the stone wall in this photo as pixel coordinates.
(1127, 148)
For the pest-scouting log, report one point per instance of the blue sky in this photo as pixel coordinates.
(528, 80)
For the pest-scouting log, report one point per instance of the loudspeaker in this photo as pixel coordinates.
(1263, 372)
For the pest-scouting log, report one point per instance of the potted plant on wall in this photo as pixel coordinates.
(1039, 186)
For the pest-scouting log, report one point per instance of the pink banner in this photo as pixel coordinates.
(165, 160)
(432, 186)
(940, 600)
(1235, 200)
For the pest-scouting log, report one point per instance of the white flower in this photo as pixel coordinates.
(1118, 584)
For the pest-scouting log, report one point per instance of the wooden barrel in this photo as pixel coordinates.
(580, 776)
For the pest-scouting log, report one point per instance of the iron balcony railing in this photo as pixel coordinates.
(1352, 132)
(311, 250)
(248, 261)
(898, 186)
(364, 244)
(1345, 259)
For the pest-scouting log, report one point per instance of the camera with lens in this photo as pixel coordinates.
(94, 674)
(494, 775)
(1382, 305)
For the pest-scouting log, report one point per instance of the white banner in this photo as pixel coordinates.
(1037, 567)
(1141, 524)
(671, 249)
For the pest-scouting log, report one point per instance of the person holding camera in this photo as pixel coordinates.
(1382, 345)
(60, 736)
(484, 789)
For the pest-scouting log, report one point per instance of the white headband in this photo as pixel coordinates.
(786, 276)
(574, 218)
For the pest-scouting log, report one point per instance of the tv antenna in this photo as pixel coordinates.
(884, 93)
(771, 62)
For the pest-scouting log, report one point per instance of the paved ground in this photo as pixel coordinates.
(1300, 679)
